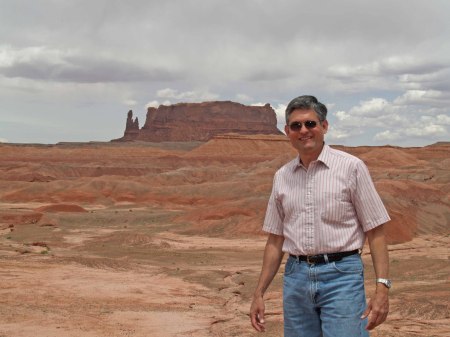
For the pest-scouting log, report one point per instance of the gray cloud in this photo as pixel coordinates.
(38, 63)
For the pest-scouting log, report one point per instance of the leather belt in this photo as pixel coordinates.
(324, 258)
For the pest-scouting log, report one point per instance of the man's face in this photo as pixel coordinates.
(306, 140)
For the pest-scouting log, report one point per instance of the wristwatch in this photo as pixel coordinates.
(385, 281)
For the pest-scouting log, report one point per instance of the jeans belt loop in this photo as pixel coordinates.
(325, 257)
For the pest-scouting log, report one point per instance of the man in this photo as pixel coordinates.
(322, 207)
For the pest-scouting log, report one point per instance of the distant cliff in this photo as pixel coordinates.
(200, 122)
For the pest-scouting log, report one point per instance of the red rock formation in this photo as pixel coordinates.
(201, 122)
(131, 128)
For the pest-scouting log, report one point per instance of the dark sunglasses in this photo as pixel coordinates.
(297, 126)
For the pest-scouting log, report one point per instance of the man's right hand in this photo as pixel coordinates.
(273, 255)
(257, 313)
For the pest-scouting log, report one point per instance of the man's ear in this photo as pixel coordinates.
(325, 126)
(286, 130)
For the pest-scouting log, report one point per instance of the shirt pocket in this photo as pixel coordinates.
(335, 208)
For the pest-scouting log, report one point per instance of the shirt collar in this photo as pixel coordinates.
(324, 157)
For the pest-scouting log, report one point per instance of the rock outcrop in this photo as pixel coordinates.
(201, 122)
(131, 128)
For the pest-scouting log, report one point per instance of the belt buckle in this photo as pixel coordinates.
(307, 259)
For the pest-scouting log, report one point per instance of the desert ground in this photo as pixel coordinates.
(164, 239)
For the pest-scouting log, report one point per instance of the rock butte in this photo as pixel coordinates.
(200, 122)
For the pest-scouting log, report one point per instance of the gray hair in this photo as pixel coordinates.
(307, 102)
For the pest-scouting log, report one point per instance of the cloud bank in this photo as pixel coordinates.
(70, 70)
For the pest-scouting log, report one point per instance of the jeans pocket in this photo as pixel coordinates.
(289, 266)
(352, 266)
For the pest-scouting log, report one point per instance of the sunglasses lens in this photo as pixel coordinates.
(310, 124)
(296, 126)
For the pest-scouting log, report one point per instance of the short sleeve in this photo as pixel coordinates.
(273, 221)
(368, 204)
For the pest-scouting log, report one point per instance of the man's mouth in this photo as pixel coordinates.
(305, 138)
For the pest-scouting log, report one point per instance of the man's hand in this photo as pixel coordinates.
(273, 255)
(377, 308)
(257, 313)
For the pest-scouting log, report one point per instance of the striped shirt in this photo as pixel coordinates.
(326, 208)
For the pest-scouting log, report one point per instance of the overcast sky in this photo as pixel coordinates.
(71, 69)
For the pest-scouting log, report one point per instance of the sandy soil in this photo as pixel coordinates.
(107, 279)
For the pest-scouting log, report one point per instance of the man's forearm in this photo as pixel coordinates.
(379, 251)
(378, 306)
(273, 255)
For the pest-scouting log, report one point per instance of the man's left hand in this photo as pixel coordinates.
(377, 308)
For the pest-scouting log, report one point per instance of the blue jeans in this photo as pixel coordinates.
(324, 300)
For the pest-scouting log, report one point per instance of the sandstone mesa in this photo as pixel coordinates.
(200, 122)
